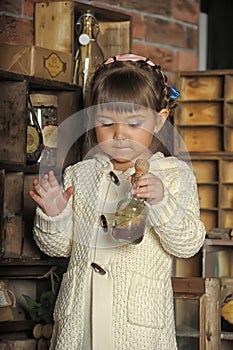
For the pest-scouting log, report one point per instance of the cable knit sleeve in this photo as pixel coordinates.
(53, 235)
(176, 219)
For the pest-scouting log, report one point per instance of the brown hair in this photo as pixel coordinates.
(131, 82)
(125, 85)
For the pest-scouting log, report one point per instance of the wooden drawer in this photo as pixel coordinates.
(13, 119)
(201, 87)
(199, 113)
(201, 139)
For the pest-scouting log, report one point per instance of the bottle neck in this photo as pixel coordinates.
(87, 26)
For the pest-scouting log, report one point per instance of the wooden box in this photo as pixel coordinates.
(13, 119)
(55, 27)
(37, 61)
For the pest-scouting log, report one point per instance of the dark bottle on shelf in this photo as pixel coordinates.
(89, 53)
(34, 136)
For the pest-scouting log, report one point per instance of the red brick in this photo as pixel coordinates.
(186, 61)
(160, 7)
(16, 31)
(186, 11)
(14, 7)
(169, 33)
(138, 27)
(158, 55)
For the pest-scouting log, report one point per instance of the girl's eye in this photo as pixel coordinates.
(135, 125)
(106, 124)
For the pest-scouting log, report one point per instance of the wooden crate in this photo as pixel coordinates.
(13, 119)
(12, 230)
(55, 27)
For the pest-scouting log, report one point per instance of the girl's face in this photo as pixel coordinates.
(126, 136)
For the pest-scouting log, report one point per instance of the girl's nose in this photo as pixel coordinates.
(119, 131)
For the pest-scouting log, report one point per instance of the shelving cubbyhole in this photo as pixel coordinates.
(228, 126)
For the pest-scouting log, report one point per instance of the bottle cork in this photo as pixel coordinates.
(141, 167)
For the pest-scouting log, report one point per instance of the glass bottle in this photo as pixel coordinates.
(130, 217)
(34, 136)
(89, 53)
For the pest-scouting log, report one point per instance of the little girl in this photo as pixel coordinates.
(119, 296)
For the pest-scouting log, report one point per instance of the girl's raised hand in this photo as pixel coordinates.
(49, 195)
(150, 187)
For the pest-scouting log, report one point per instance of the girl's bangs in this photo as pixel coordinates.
(125, 94)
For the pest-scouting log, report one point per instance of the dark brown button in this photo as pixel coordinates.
(114, 178)
(103, 222)
(98, 269)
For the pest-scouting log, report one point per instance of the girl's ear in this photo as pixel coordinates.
(162, 115)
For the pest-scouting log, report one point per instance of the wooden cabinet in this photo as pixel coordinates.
(196, 303)
(24, 269)
(204, 123)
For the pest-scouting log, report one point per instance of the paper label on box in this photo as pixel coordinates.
(54, 65)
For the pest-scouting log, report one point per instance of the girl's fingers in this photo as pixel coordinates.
(52, 179)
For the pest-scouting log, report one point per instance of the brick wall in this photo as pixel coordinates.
(164, 30)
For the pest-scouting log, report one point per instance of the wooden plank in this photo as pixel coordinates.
(188, 285)
(13, 218)
(212, 314)
(29, 247)
(13, 118)
(2, 180)
(54, 25)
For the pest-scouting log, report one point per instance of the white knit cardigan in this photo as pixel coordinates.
(128, 305)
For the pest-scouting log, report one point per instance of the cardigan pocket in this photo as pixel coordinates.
(66, 295)
(146, 302)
